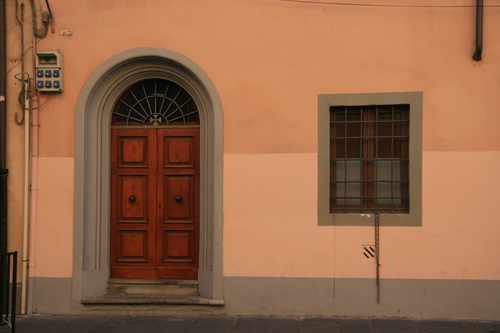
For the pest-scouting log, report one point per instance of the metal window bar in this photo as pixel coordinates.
(172, 102)
(138, 102)
(8, 282)
(164, 96)
(368, 181)
(155, 93)
(375, 165)
(373, 197)
(371, 137)
(387, 159)
(147, 104)
(369, 121)
(345, 155)
(361, 132)
(392, 163)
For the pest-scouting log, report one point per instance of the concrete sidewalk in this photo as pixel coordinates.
(243, 324)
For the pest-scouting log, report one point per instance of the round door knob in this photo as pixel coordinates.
(132, 198)
(178, 198)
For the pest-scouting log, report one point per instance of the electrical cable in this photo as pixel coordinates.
(381, 5)
(28, 18)
(39, 33)
(20, 21)
(23, 92)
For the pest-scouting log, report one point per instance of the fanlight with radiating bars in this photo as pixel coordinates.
(155, 102)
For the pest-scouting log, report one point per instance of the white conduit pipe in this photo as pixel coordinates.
(27, 123)
(33, 214)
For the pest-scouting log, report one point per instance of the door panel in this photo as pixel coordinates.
(178, 229)
(133, 189)
(133, 151)
(133, 193)
(155, 203)
(132, 246)
(179, 199)
(179, 151)
(178, 246)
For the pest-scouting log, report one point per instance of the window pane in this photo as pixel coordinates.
(346, 131)
(388, 183)
(349, 187)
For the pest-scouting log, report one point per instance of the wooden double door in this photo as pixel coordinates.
(155, 203)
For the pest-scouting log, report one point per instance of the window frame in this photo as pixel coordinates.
(325, 103)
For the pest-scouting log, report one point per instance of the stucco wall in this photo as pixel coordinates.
(269, 60)
(271, 222)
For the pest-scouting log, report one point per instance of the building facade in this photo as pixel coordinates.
(257, 157)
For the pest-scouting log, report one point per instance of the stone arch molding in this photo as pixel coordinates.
(92, 163)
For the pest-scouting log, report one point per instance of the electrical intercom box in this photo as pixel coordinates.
(49, 71)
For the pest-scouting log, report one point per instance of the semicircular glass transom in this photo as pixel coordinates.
(155, 102)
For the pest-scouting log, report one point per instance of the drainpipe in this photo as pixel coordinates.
(35, 125)
(27, 123)
(4, 172)
(28, 168)
(479, 31)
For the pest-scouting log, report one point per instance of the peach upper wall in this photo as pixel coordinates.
(270, 59)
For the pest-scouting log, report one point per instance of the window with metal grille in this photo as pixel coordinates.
(369, 159)
(155, 102)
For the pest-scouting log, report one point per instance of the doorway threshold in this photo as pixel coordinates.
(150, 300)
(153, 281)
(152, 287)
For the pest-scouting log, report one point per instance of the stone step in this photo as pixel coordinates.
(167, 300)
(122, 287)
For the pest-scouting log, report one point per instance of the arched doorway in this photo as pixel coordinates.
(155, 178)
(93, 165)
